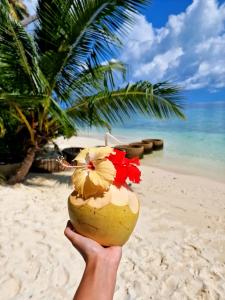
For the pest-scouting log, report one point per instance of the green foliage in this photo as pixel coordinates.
(2, 179)
(159, 100)
(2, 128)
(11, 142)
(18, 9)
(20, 72)
(75, 34)
(53, 82)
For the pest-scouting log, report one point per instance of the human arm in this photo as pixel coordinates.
(99, 278)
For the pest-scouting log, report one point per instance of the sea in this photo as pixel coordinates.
(194, 146)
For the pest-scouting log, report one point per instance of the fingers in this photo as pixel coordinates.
(81, 243)
(69, 225)
(71, 235)
(69, 231)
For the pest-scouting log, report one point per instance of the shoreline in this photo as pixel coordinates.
(190, 173)
(174, 167)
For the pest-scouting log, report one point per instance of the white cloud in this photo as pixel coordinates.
(160, 64)
(189, 49)
(140, 40)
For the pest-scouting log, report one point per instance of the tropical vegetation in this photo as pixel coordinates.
(62, 76)
(18, 9)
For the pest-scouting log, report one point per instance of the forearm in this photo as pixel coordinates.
(98, 281)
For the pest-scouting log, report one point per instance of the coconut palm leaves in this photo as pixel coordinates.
(159, 100)
(73, 35)
(18, 9)
(19, 68)
(22, 83)
(2, 128)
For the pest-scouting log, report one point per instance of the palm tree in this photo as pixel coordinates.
(18, 9)
(61, 78)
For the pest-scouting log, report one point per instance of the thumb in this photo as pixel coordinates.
(72, 236)
(78, 241)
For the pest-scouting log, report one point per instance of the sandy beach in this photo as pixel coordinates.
(176, 252)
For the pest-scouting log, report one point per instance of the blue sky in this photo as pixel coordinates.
(182, 41)
(159, 10)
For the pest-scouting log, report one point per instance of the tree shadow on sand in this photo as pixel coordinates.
(48, 179)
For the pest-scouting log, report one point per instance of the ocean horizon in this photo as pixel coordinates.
(194, 146)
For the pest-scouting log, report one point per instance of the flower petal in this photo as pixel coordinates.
(106, 169)
(103, 175)
(134, 174)
(90, 189)
(78, 178)
(100, 152)
(95, 178)
(117, 157)
(121, 175)
(94, 153)
(84, 186)
(82, 157)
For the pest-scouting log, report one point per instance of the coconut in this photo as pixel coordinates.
(102, 206)
(109, 218)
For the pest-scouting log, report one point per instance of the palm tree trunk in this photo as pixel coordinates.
(24, 168)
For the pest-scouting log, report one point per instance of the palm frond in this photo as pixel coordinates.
(161, 101)
(71, 34)
(24, 120)
(86, 115)
(89, 81)
(64, 122)
(2, 128)
(18, 9)
(25, 101)
(19, 70)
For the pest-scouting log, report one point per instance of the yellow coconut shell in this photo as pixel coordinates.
(108, 219)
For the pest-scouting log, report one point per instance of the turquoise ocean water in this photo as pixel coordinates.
(195, 146)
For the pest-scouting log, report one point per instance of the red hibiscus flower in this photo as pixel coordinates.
(125, 168)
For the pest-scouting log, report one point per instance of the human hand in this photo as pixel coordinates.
(99, 278)
(91, 250)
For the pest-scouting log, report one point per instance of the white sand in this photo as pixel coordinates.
(176, 252)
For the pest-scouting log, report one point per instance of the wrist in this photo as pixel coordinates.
(102, 262)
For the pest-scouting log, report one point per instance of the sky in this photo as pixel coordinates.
(182, 41)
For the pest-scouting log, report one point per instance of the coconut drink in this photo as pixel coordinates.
(102, 206)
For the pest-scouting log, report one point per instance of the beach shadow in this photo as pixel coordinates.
(46, 179)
